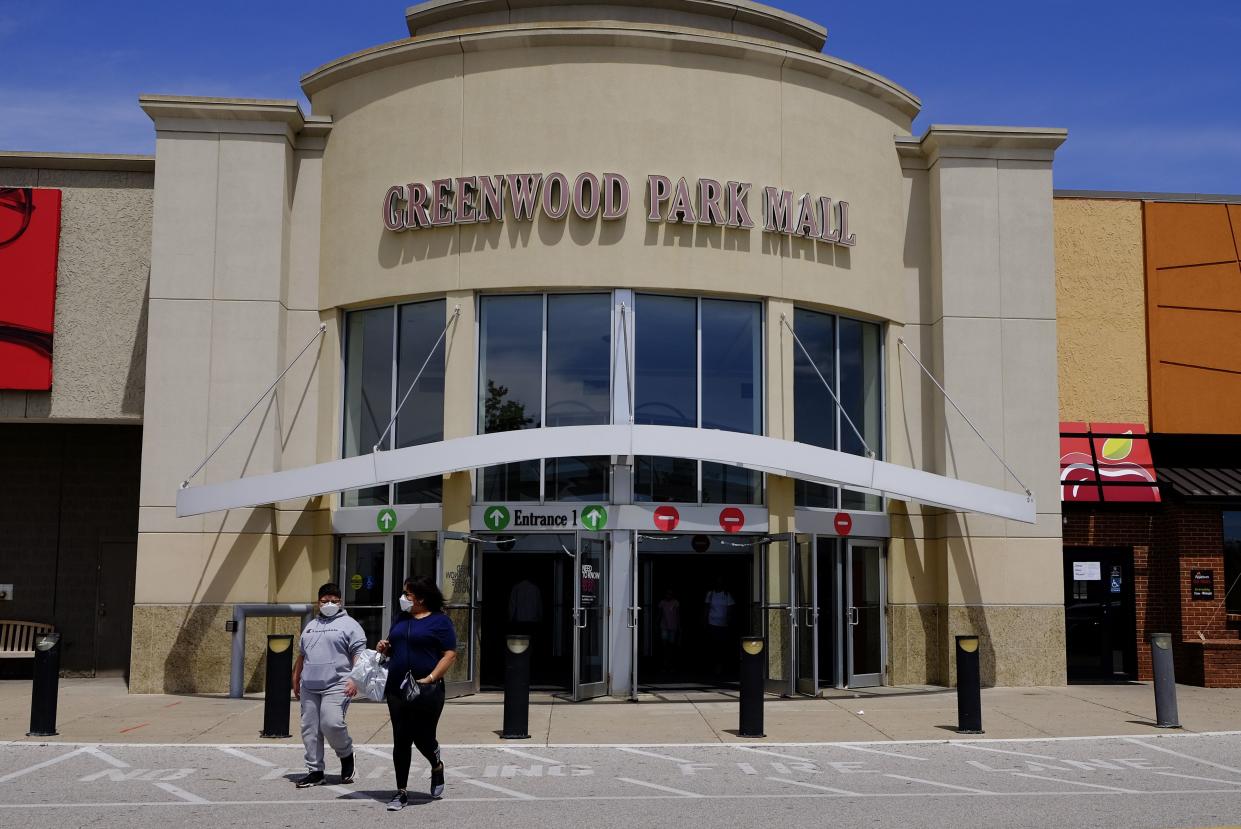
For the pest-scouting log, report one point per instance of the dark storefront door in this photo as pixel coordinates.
(114, 606)
(1099, 614)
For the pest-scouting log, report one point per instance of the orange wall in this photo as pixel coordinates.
(1193, 296)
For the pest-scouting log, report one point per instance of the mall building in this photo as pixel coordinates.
(588, 311)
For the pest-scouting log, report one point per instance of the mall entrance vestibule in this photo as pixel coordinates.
(818, 601)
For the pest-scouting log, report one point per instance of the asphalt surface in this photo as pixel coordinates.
(1158, 780)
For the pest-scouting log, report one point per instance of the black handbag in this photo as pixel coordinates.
(410, 689)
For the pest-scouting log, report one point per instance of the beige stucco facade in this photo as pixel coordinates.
(1101, 310)
(267, 224)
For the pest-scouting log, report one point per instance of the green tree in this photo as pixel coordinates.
(503, 415)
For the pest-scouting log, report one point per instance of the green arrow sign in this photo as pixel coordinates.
(496, 518)
(386, 520)
(594, 517)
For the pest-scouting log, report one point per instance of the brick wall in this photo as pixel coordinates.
(1168, 543)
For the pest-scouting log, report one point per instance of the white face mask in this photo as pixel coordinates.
(330, 609)
(406, 604)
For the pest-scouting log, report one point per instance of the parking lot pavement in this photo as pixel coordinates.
(1138, 781)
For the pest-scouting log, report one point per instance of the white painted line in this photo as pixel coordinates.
(250, 758)
(182, 793)
(1219, 766)
(387, 755)
(1195, 777)
(16, 774)
(1005, 751)
(814, 786)
(493, 787)
(654, 754)
(936, 783)
(775, 754)
(533, 757)
(658, 787)
(107, 758)
(877, 751)
(1077, 783)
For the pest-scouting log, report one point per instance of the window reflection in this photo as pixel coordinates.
(859, 395)
(666, 390)
(731, 392)
(579, 391)
(814, 412)
(511, 362)
(368, 391)
(422, 416)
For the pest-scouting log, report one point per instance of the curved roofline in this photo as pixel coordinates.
(610, 34)
(806, 32)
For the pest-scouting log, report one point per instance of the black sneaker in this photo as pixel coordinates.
(437, 781)
(398, 802)
(315, 778)
(346, 769)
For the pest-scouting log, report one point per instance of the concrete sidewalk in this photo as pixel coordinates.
(101, 710)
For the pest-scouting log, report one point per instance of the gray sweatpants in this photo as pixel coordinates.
(323, 715)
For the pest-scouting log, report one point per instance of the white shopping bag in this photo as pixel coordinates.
(370, 674)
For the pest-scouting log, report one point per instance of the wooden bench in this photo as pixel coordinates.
(17, 638)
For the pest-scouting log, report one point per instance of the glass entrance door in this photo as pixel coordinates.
(459, 580)
(778, 610)
(365, 565)
(590, 618)
(864, 586)
(806, 600)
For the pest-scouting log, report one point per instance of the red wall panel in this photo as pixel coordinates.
(29, 245)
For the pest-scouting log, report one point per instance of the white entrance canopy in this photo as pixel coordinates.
(763, 454)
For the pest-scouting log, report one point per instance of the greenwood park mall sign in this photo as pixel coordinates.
(519, 196)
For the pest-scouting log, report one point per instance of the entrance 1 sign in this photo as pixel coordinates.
(386, 520)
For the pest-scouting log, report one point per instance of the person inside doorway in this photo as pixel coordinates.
(669, 629)
(719, 608)
(525, 607)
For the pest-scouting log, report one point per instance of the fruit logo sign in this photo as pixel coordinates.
(29, 245)
(1106, 462)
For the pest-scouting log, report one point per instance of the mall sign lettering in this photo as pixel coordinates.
(518, 196)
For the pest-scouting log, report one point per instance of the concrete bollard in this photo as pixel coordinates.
(517, 688)
(279, 685)
(751, 713)
(45, 689)
(1166, 715)
(969, 686)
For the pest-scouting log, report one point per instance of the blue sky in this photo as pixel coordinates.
(1150, 92)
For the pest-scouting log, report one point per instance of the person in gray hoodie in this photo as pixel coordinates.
(331, 642)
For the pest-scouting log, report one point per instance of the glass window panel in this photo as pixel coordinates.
(368, 391)
(422, 417)
(579, 355)
(511, 392)
(860, 396)
(814, 411)
(665, 479)
(722, 484)
(732, 384)
(731, 375)
(666, 390)
(1232, 561)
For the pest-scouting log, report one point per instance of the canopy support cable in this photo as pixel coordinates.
(870, 453)
(197, 469)
(901, 342)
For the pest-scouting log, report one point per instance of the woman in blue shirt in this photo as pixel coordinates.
(422, 644)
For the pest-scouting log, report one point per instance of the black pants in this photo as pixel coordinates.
(414, 724)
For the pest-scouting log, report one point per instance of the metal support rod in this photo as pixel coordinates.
(870, 453)
(629, 384)
(318, 334)
(455, 313)
(236, 682)
(901, 342)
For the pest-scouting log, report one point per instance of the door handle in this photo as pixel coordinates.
(633, 616)
(580, 617)
(812, 617)
(793, 616)
(853, 617)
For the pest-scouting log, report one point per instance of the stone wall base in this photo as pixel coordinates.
(1022, 645)
(184, 649)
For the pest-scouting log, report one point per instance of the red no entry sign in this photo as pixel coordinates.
(666, 519)
(731, 519)
(843, 523)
